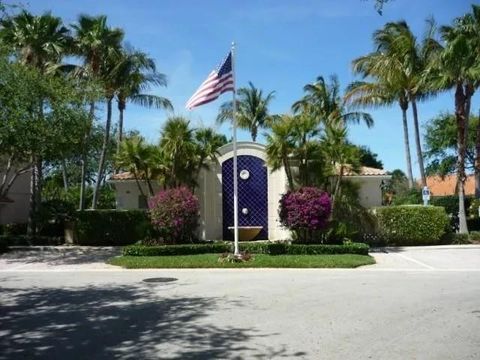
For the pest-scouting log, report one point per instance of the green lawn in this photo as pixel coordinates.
(259, 261)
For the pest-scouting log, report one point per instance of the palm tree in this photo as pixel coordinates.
(322, 101)
(340, 154)
(400, 47)
(252, 109)
(207, 143)
(136, 73)
(469, 25)
(178, 150)
(38, 41)
(457, 67)
(383, 90)
(280, 146)
(134, 156)
(95, 42)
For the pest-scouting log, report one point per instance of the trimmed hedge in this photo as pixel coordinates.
(111, 227)
(412, 224)
(255, 248)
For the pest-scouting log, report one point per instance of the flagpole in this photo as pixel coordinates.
(235, 177)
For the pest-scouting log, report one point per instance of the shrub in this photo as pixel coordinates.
(3, 245)
(52, 215)
(111, 227)
(473, 224)
(409, 197)
(174, 214)
(474, 236)
(411, 225)
(171, 250)
(14, 229)
(305, 210)
(252, 248)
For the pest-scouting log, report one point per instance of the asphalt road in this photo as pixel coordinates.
(412, 305)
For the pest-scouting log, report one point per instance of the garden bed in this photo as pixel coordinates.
(259, 261)
(252, 247)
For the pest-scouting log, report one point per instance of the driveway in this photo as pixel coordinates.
(405, 312)
(437, 258)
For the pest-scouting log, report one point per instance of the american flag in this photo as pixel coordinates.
(218, 82)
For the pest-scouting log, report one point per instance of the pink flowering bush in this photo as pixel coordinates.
(174, 214)
(305, 210)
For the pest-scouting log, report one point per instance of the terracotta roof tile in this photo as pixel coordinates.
(447, 185)
(366, 171)
(122, 176)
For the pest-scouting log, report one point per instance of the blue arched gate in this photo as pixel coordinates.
(252, 194)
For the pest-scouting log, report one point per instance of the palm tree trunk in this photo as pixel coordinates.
(460, 100)
(418, 143)
(103, 156)
(337, 187)
(84, 159)
(121, 108)
(477, 160)
(407, 147)
(288, 172)
(31, 225)
(64, 175)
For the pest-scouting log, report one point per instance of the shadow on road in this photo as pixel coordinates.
(52, 256)
(134, 322)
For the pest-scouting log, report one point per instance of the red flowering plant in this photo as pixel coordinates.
(305, 211)
(174, 214)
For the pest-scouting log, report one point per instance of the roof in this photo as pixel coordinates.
(366, 171)
(122, 176)
(447, 185)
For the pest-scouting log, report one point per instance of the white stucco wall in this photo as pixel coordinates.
(17, 212)
(211, 200)
(127, 193)
(209, 193)
(369, 191)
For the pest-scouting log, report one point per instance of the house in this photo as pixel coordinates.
(259, 193)
(447, 185)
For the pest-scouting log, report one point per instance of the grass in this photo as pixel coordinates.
(259, 261)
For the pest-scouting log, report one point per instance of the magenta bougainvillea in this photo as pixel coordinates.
(307, 208)
(174, 213)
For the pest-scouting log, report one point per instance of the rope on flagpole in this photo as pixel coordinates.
(235, 179)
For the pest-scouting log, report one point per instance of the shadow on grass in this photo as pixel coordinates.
(119, 322)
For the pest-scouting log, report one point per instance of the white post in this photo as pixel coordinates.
(235, 175)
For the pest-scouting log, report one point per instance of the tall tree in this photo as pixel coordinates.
(40, 42)
(96, 43)
(322, 101)
(252, 109)
(136, 73)
(382, 90)
(411, 58)
(457, 67)
(178, 150)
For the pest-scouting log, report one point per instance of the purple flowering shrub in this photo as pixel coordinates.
(174, 214)
(305, 210)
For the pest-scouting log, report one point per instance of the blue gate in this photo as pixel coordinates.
(252, 195)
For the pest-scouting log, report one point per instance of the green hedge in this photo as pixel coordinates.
(111, 227)
(450, 202)
(255, 248)
(411, 225)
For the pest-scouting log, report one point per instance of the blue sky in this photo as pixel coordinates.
(282, 45)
